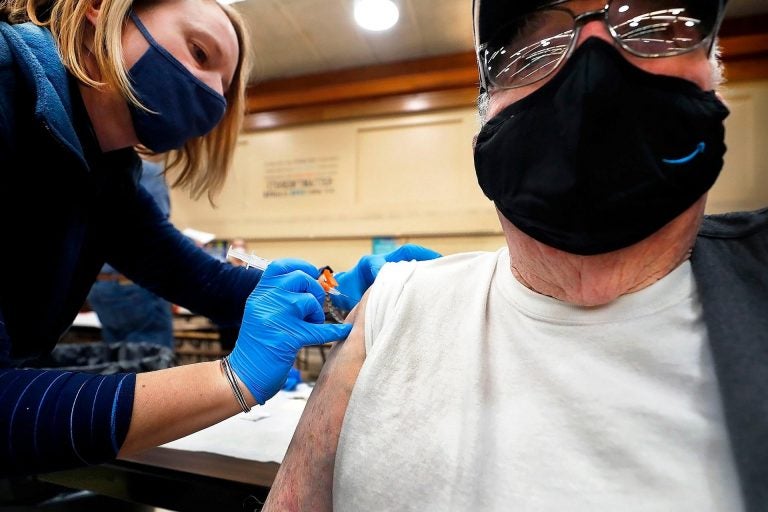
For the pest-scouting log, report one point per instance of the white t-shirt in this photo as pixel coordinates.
(480, 394)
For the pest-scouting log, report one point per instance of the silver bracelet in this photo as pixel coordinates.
(229, 374)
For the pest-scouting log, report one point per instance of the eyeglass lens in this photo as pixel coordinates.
(531, 46)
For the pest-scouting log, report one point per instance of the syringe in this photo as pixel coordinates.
(326, 279)
(250, 259)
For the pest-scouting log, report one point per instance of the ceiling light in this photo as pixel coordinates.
(376, 14)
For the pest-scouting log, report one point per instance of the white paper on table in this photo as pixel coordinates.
(201, 237)
(262, 435)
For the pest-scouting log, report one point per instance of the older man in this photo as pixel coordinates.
(614, 356)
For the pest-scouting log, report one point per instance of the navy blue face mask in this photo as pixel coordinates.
(182, 107)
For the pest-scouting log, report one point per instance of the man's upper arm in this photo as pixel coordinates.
(305, 479)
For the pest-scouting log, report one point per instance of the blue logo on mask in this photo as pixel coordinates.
(700, 147)
(181, 106)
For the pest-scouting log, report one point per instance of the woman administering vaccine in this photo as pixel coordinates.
(81, 84)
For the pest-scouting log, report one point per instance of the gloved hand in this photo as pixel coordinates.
(282, 315)
(356, 281)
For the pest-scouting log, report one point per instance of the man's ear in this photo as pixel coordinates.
(93, 12)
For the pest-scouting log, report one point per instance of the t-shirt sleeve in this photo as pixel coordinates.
(383, 298)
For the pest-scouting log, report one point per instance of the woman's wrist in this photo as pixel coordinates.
(237, 388)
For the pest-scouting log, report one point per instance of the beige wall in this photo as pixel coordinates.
(320, 192)
(743, 183)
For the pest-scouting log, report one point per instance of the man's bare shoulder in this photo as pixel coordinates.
(352, 350)
(305, 478)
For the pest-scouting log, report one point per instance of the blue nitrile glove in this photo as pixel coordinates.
(294, 377)
(282, 315)
(354, 283)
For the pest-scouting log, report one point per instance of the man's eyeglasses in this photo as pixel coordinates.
(532, 46)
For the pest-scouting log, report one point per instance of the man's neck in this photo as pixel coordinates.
(600, 279)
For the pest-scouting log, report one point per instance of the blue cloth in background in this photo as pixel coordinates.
(128, 312)
(153, 179)
(293, 380)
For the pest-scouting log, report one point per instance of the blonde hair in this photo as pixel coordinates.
(202, 164)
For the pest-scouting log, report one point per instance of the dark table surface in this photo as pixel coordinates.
(177, 480)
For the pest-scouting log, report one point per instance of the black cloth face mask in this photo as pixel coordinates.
(603, 155)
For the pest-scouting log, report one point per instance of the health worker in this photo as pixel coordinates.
(82, 82)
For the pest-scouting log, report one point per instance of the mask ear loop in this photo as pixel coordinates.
(136, 21)
(144, 32)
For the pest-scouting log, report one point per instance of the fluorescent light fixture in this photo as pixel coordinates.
(376, 15)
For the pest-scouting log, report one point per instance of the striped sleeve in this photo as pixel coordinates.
(53, 419)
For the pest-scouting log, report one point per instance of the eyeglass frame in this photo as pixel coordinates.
(579, 20)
